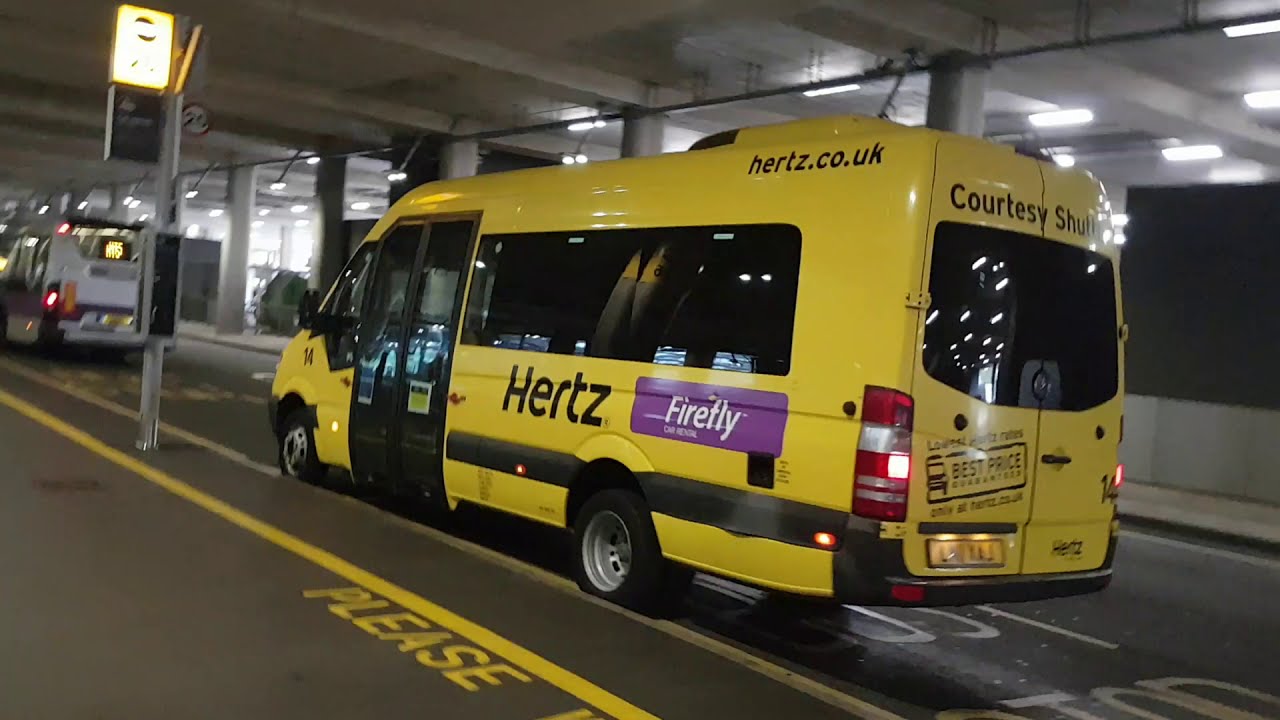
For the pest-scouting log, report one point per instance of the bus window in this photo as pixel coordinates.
(715, 297)
(345, 302)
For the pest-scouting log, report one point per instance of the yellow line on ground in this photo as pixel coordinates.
(531, 662)
(113, 407)
(843, 701)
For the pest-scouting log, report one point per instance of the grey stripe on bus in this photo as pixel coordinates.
(740, 512)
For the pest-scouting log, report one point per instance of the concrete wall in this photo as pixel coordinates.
(1205, 447)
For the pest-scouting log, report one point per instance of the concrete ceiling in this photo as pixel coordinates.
(283, 76)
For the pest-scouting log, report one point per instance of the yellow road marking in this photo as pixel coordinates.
(850, 704)
(481, 636)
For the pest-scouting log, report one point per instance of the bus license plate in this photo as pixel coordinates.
(117, 320)
(966, 553)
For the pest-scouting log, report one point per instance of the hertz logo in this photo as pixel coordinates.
(535, 394)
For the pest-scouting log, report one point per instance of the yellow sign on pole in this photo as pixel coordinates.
(142, 54)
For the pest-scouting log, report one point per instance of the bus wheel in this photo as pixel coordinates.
(297, 452)
(618, 555)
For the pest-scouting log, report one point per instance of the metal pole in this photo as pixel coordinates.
(154, 347)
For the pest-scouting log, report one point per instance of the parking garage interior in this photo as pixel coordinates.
(194, 580)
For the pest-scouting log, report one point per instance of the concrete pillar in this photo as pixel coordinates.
(330, 255)
(233, 269)
(957, 88)
(115, 208)
(642, 135)
(460, 159)
(180, 186)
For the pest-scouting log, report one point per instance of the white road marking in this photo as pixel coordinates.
(911, 635)
(981, 631)
(845, 702)
(1049, 628)
(1254, 560)
(1038, 700)
(263, 376)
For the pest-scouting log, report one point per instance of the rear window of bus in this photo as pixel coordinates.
(1007, 306)
(719, 297)
(106, 243)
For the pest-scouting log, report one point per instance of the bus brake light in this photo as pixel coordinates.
(51, 299)
(882, 469)
(64, 228)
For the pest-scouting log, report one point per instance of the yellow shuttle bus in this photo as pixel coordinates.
(838, 358)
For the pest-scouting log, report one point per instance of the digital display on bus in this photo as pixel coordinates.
(115, 250)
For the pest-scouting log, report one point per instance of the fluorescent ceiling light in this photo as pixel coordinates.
(397, 176)
(1263, 99)
(301, 223)
(1061, 118)
(258, 223)
(192, 193)
(313, 160)
(83, 204)
(1064, 160)
(298, 209)
(1258, 28)
(1183, 153)
(831, 90)
(277, 185)
(585, 125)
(216, 212)
(1119, 220)
(360, 205)
(264, 212)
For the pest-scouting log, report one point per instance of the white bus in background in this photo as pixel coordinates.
(71, 282)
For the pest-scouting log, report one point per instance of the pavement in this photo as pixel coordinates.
(213, 620)
(1250, 522)
(249, 341)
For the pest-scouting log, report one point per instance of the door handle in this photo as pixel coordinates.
(1055, 459)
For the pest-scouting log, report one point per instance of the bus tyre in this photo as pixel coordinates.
(297, 450)
(618, 555)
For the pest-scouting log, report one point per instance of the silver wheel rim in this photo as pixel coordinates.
(294, 450)
(606, 551)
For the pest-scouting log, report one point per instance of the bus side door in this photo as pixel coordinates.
(432, 331)
(379, 355)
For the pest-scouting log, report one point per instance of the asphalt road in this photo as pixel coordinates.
(1188, 630)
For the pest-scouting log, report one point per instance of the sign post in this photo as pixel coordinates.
(147, 61)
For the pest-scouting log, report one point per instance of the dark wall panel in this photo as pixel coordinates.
(1201, 274)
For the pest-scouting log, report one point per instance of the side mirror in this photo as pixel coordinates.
(308, 309)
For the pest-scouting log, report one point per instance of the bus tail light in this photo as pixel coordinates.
(51, 299)
(882, 470)
(1119, 479)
